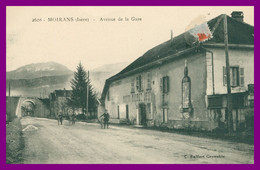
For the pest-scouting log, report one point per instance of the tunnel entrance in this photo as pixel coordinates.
(28, 108)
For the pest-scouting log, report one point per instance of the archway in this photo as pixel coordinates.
(28, 108)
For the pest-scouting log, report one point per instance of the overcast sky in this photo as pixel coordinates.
(96, 43)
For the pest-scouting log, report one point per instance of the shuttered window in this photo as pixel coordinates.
(133, 86)
(236, 76)
(165, 84)
(139, 83)
(149, 81)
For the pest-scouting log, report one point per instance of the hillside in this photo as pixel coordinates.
(47, 77)
(37, 70)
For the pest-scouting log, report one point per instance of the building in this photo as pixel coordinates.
(58, 102)
(58, 105)
(181, 83)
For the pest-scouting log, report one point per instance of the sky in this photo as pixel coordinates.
(95, 42)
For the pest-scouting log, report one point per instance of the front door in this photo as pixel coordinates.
(142, 114)
(126, 112)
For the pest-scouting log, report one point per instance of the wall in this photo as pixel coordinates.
(237, 57)
(175, 71)
(41, 110)
(11, 105)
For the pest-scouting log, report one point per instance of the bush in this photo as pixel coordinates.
(14, 142)
(81, 117)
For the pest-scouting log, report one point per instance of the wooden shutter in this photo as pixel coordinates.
(167, 84)
(224, 76)
(141, 83)
(149, 81)
(242, 78)
(133, 86)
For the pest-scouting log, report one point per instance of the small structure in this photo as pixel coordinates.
(153, 91)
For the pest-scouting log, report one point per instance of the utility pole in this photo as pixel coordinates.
(87, 94)
(229, 97)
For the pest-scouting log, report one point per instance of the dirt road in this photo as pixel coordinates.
(85, 143)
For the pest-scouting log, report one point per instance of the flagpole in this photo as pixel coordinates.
(229, 97)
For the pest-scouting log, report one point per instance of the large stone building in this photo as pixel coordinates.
(182, 83)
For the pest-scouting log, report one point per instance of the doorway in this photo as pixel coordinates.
(142, 114)
(127, 112)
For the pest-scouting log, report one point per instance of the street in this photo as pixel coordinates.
(87, 143)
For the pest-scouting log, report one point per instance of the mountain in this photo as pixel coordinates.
(39, 87)
(37, 70)
(43, 78)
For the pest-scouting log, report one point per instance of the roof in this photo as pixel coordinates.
(238, 33)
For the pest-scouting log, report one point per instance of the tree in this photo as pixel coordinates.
(79, 85)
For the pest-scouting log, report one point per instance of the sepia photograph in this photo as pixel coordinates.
(129, 85)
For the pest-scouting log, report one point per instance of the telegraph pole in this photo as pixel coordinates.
(87, 93)
(229, 97)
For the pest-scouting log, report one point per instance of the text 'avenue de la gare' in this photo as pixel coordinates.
(86, 19)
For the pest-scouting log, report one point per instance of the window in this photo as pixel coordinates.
(236, 76)
(165, 84)
(149, 81)
(139, 83)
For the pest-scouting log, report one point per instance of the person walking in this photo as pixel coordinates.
(60, 119)
(106, 118)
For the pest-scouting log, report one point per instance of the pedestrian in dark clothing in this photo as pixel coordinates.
(106, 118)
(60, 119)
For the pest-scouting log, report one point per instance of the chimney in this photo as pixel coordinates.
(238, 15)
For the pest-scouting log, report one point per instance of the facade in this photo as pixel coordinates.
(182, 83)
(58, 104)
